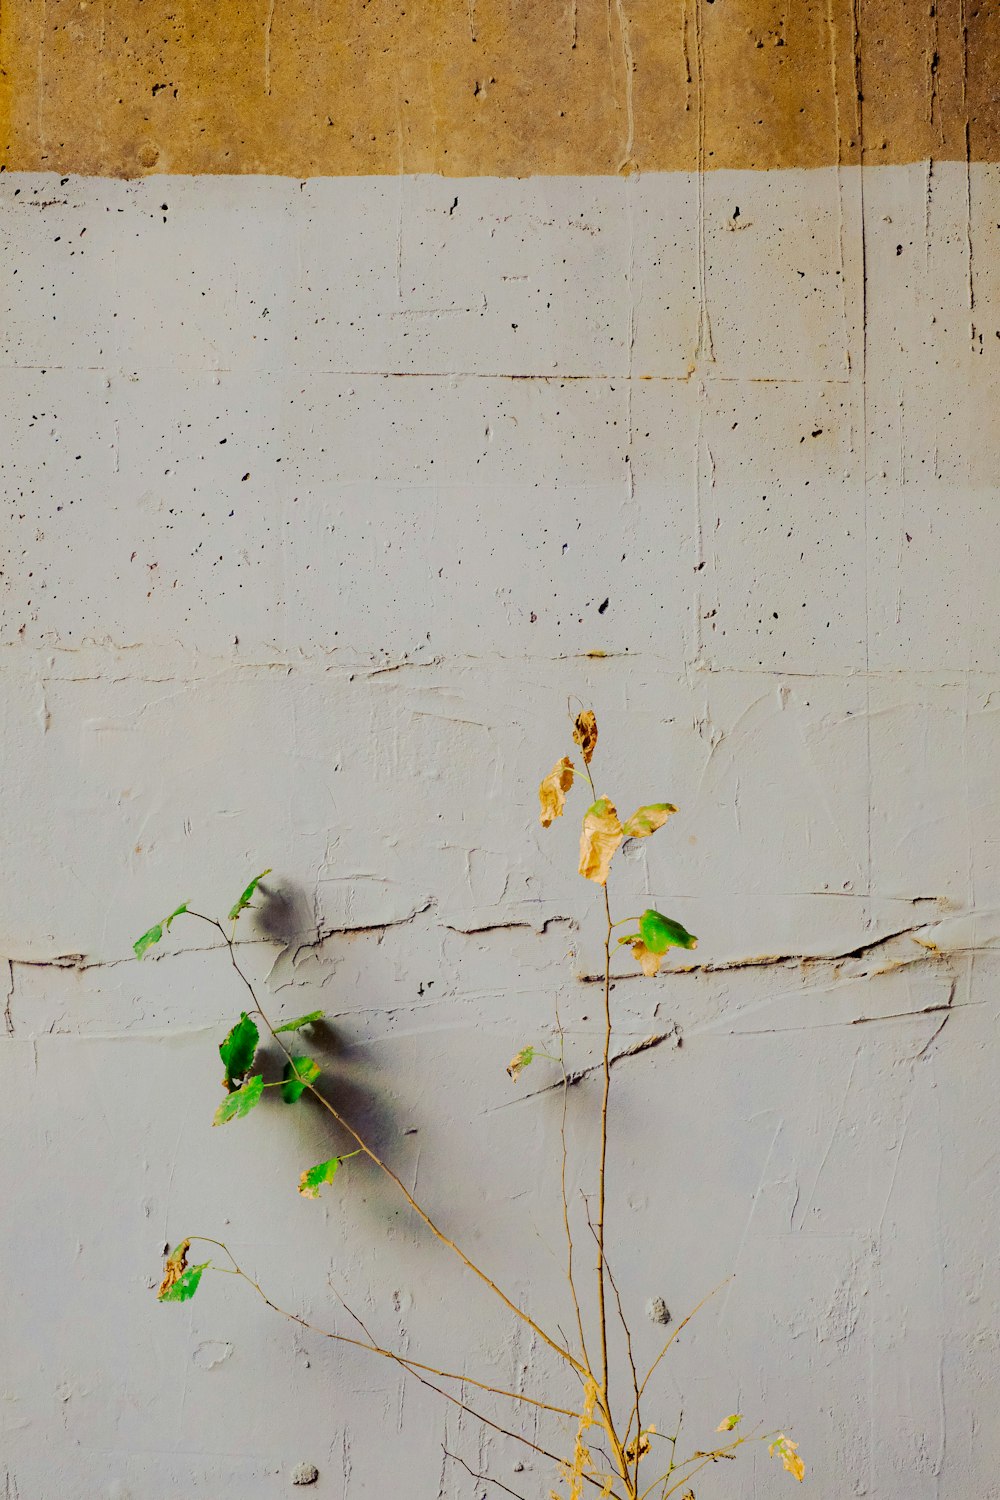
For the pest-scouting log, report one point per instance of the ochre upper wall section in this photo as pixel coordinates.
(493, 87)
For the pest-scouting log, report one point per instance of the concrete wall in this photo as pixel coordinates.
(322, 497)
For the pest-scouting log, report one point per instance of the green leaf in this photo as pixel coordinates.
(648, 819)
(184, 1288)
(313, 1178)
(247, 896)
(148, 939)
(660, 933)
(299, 1071)
(630, 937)
(239, 1103)
(300, 1021)
(238, 1050)
(154, 934)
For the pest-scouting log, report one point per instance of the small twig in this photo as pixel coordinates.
(565, 1198)
(486, 1478)
(412, 1367)
(373, 1346)
(631, 1356)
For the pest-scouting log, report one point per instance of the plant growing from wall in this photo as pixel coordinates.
(630, 1459)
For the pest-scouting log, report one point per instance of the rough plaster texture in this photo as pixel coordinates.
(315, 493)
(482, 87)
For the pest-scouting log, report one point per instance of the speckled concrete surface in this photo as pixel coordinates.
(321, 499)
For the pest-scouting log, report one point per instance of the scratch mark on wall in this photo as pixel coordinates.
(268, 23)
(834, 1132)
(947, 1010)
(753, 1208)
(686, 54)
(577, 1075)
(932, 56)
(841, 252)
(627, 164)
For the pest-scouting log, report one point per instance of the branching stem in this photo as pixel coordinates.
(383, 1166)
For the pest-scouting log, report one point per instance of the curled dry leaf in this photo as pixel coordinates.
(585, 734)
(517, 1064)
(552, 792)
(648, 962)
(646, 820)
(184, 1288)
(728, 1423)
(175, 1267)
(639, 1446)
(602, 833)
(784, 1448)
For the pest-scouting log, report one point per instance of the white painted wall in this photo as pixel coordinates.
(314, 492)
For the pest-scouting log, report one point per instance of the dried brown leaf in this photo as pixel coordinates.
(175, 1267)
(646, 820)
(602, 833)
(639, 1446)
(784, 1448)
(520, 1061)
(585, 734)
(552, 792)
(648, 962)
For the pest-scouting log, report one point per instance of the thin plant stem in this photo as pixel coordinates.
(631, 1359)
(603, 1154)
(602, 1315)
(372, 1346)
(680, 1327)
(410, 1366)
(383, 1166)
(486, 1478)
(565, 1199)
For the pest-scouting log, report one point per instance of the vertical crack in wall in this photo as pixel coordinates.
(705, 351)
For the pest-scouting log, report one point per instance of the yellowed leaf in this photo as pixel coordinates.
(728, 1423)
(639, 1446)
(175, 1267)
(602, 833)
(552, 792)
(520, 1061)
(585, 734)
(646, 820)
(649, 963)
(784, 1448)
